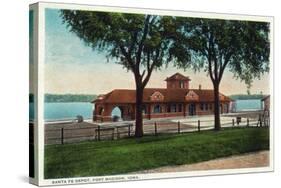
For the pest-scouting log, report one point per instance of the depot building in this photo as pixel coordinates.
(177, 99)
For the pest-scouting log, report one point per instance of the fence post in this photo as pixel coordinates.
(248, 122)
(129, 130)
(198, 125)
(179, 127)
(98, 133)
(260, 120)
(233, 123)
(155, 128)
(62, 136)
(113, 133)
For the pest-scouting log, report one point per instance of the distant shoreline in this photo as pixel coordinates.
(67, 101)
(49, 98)
(247, 97)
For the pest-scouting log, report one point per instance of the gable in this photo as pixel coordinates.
(177, 76)
(191, 95)
(100, 97)
(222, 97)
(157, 96)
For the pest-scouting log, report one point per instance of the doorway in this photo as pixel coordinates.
(192, 109)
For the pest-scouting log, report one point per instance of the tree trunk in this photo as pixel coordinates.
(217, 106)
(139, 121)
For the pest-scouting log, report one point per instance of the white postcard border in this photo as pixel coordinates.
(99, 179)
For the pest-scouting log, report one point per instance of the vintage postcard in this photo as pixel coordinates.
(122, 94)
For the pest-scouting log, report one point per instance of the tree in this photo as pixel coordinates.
(138, 42)
(215, 45)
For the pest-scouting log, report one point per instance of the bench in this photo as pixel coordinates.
(111, 128)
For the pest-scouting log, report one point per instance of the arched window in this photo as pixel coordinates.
(157, 109)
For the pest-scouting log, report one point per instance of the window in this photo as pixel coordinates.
(144, 110)
(206, 107)
(211, 107)
(157, 109)
(181, 84)
(173, 108)
(180, 107)
(226, 108)
(168, 108)
(202, 106)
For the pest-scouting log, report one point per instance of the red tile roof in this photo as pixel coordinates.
(177, 76)
(170, 95)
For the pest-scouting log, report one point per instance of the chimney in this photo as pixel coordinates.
(200, 86)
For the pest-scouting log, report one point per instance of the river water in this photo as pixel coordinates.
(69, 110)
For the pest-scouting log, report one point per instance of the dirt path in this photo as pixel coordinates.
(249, 160)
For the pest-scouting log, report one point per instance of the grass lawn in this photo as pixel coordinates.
(129, 155)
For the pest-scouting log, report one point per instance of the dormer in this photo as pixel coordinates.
(222, 97)
(157, 96)
(100, 97)
(177, 81)
(191, 96)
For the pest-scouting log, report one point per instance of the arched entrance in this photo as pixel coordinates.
(117, 114)
(100, 111)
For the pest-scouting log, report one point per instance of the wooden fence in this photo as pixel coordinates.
(116, 131)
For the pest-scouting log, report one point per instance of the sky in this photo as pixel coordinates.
(71, 67)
